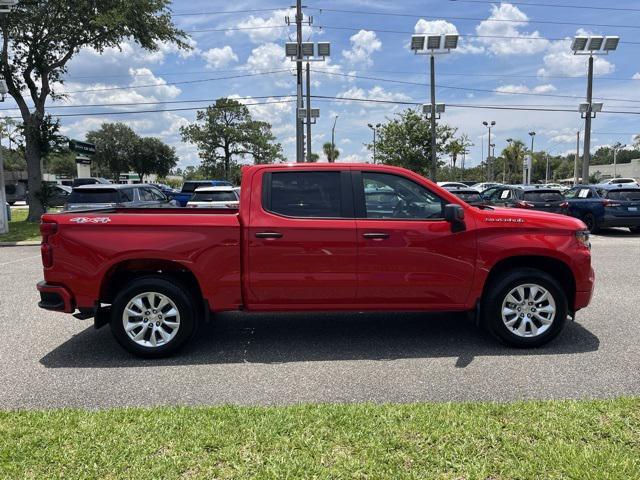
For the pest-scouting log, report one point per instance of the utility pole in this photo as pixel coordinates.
(308, 113)
(299, 125)
(489, 160)
(575, 161)
(4, 218)
(375, 132)
(332, 158)
(434, 157)
(586, 154)
(546, 172)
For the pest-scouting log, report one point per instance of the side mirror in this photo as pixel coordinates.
(454, 214)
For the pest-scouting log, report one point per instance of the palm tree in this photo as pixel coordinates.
(454, 148)
(330, 152)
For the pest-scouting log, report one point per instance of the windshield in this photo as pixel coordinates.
(625, 195)
(93, 196)
(544, 196)
(214, 197)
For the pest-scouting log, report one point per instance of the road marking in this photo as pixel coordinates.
(19, 260)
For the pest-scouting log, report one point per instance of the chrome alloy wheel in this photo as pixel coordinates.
(151, 319)
(528, 310)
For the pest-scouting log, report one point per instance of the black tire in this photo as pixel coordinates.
(498, 291)
(591, 222)
(177, 294)
(634, 229)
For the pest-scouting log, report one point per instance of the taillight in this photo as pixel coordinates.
(523, 204)
(564, 205)
(611, 204)
(46, 251)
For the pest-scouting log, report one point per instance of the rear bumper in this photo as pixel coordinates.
(613, 221)
(55, 298)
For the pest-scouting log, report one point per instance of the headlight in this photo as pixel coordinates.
(583, 238)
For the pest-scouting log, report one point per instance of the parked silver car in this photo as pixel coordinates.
(111, 196)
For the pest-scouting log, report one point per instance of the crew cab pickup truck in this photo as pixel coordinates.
(314, 237)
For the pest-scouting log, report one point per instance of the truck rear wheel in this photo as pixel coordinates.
(153, 317)
(525, 308)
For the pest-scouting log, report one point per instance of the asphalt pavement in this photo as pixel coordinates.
(52, 360)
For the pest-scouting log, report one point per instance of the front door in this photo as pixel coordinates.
(408, 256)
(302, 241)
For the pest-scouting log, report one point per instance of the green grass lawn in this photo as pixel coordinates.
(19, 229)
(526, 440)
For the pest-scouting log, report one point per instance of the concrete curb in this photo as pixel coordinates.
(26, 243)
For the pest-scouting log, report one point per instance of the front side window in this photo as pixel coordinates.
(394, 197)
(543, 196)
(305, 194)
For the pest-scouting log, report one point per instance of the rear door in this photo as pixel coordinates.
(301, 240)
(623, 203)
(545, 200)
(408, 256)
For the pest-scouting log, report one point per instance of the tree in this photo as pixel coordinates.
(152, 155)
(405, 141)
(454, 148)
(314, 157)
(225, 132)
(39, 39)
(508, 166)
(62, 164)
(330, 152)
(115, 143)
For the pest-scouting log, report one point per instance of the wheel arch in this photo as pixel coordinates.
(554, 267)
(125, 271)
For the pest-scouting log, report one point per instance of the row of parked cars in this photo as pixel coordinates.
(99, 193)
(615, 203)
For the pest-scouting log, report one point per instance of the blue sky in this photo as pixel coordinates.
(373, 41)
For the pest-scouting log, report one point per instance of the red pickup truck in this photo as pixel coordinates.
(317, 237)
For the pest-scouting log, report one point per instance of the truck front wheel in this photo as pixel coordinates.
(525, 308)
(153, 317)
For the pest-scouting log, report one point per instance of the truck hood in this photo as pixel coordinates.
(523, 218)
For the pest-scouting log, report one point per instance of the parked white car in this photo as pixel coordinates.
(615, 181)
(452, 185)
(481, 187)
(215, 197)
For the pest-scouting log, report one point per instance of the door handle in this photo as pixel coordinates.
(375, 235)
(268, 235)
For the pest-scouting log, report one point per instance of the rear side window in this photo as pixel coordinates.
(304, 194)
(93, 196)
(579, 193)
(190, 187)
(126, 195)
(545, 196)
(214, 197)
(10, 189)
(468, 196)
(624, 195)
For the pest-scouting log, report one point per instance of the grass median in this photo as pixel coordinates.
(525, 440)
(19, 229)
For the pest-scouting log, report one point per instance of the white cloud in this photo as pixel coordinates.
(560, 60)
(268, 29)
(375, 93)
(442, 27)
(524, 89)
(363, 45)
(272, 110)
(268, 56)
(353, 158)
(220, 57)
(518, 43)
(636, 76)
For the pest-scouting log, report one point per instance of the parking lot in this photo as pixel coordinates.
(53, 360)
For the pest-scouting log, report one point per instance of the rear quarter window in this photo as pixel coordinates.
(214, 197)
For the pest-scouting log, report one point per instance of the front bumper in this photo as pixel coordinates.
(55, 298)
(583, 297)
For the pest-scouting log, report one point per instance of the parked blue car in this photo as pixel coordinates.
(601, 206)
(189, 187)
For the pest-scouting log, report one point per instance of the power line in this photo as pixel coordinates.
(496, 20)
(128, 112)
(554, 5)
(225, 12)
(484, 90)
(202, 80)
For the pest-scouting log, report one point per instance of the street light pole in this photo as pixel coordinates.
(375, 131)
(526, 174)
(575, 160)
(434, 161)
(586, 154)
(299, 126)
(333, 140)
(308, 113)
(489, 162)
(4, 219)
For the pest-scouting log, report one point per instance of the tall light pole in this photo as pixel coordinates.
(5, 7)
(432, 45)
(546, 171)
(591, 45)
(375, 132)
(575, 161)
(526, 171)
(489, 163)
(332, 158)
